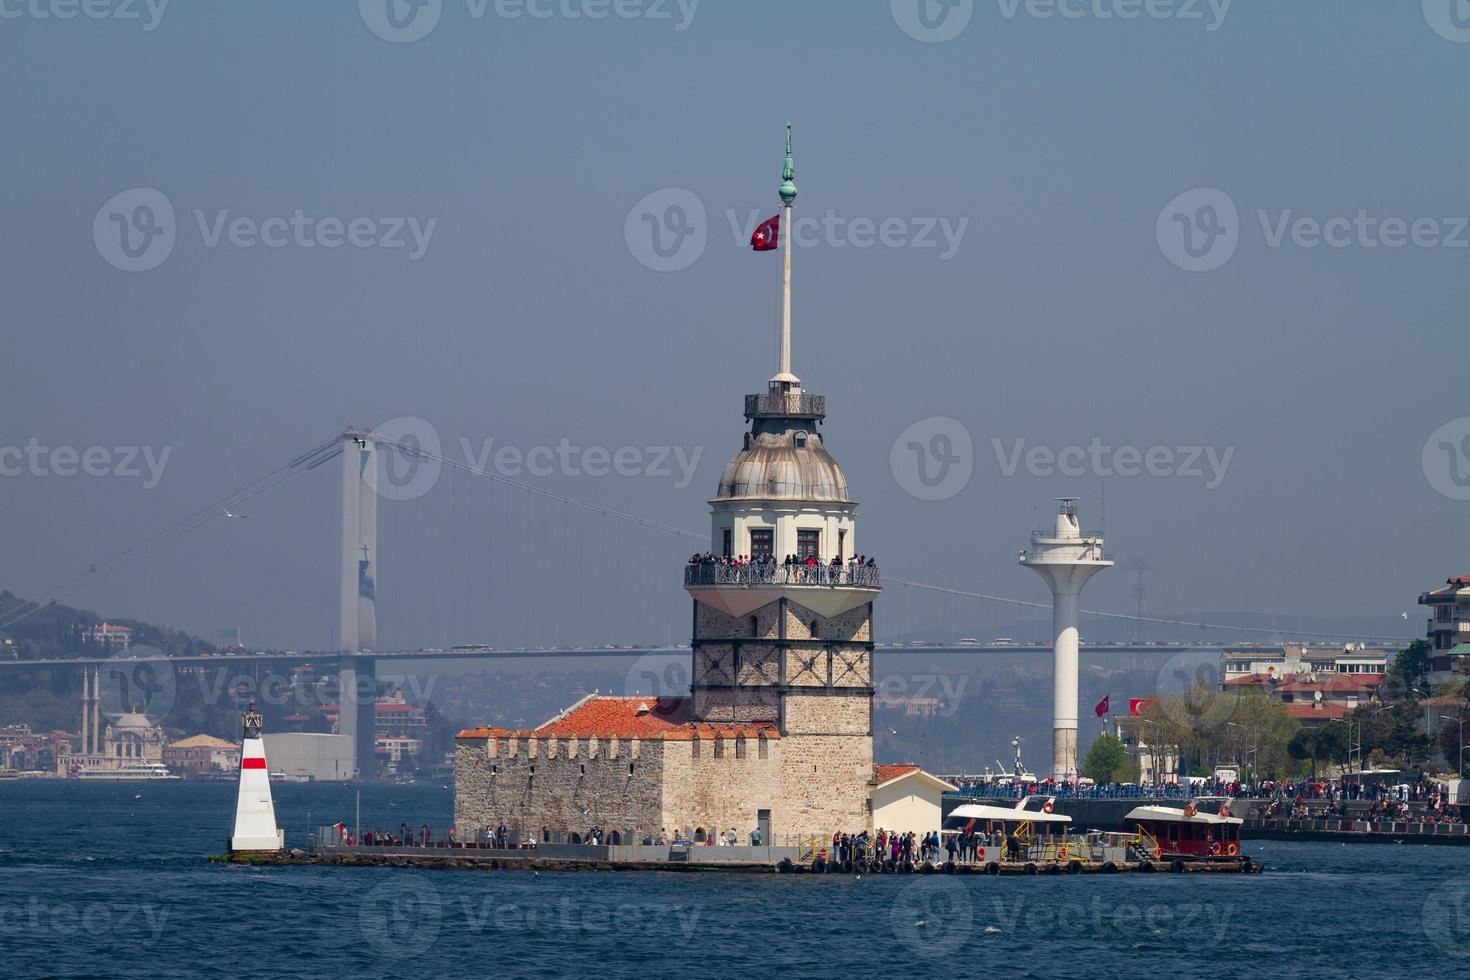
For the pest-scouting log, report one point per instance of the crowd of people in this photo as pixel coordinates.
(793, 568)
(884, 845)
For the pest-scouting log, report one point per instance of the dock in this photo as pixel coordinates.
(698, 859)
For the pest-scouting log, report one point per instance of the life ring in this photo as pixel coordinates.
(1062, 853)
(980, 854)
(1189, 810)
(1232, 849)
(1157, 852)
(1215, 848)
(1224, 809)
(1046, 807)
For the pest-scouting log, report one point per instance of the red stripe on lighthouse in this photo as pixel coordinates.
(252, 763)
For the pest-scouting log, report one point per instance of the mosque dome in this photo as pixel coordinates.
(788, 464)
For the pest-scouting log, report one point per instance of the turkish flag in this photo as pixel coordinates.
(1102, 706)
(766, 234)
(1135, 705)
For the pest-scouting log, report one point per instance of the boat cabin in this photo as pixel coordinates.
(1203, 829)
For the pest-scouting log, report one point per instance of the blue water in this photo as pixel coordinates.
(111, 880)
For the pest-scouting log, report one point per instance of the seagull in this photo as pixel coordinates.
(228, 514)
(1403, 615)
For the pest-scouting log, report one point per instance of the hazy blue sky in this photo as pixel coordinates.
(1055, 313)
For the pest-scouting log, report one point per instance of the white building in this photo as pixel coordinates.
(1449, 629)
(906, 798)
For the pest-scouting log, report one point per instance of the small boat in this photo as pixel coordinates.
(1203, 830)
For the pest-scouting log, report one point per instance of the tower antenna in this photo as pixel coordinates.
(784, 378)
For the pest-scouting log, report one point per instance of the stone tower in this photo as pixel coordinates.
(782, 627)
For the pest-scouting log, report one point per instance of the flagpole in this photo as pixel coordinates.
(788, 197)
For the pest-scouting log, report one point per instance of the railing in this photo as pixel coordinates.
(717, 573)
(803, 405)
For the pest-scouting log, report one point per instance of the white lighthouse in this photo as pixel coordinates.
(255, 812)
(1066, 559)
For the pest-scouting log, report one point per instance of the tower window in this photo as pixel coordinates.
(762, 542)
(800, 439)
(755, 626)
(842, 544)
(728, 543)
(808, 544)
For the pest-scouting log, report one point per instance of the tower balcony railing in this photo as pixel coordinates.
(786, 404)
(833, 576)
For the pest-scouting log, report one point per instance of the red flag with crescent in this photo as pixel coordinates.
(766, 234)
(1102, 706)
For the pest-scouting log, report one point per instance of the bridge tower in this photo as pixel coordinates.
(359, 615)
(789, 643)
(1065, 558)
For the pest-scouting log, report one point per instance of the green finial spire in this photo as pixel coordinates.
(788, 173)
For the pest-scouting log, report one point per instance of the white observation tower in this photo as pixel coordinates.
(1066, 559)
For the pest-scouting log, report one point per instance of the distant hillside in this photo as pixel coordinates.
(29, 631)
(51, 699)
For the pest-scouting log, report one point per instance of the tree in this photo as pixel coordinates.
(1106, 757)
(1411, 666)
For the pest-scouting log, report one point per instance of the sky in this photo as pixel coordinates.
(1201, 265)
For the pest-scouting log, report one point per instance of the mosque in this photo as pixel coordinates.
(777, 732)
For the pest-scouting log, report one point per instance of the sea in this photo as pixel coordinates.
(114, 880)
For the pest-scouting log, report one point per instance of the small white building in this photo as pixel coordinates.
(906, 798)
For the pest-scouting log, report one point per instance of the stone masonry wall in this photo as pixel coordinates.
(722, 791)
(561, 784)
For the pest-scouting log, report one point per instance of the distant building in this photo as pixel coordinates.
(1448, 629)
(22, 750)
(309, 756)
(912, 705)
(128, 740)
(114, 638)
(1296, 659)
(1316, 685)
(200, 754)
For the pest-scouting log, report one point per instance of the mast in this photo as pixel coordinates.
(784, 378)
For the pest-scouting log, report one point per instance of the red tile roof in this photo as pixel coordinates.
(1329, 709)
(634, 717)
(883, 774)
(1335, 683)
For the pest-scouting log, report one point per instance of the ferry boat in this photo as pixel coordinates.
(1031, 821)
(1204, 830)
(131, 773)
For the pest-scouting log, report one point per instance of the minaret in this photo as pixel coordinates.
(789, 643)
(1066, 559)
(255, 812)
